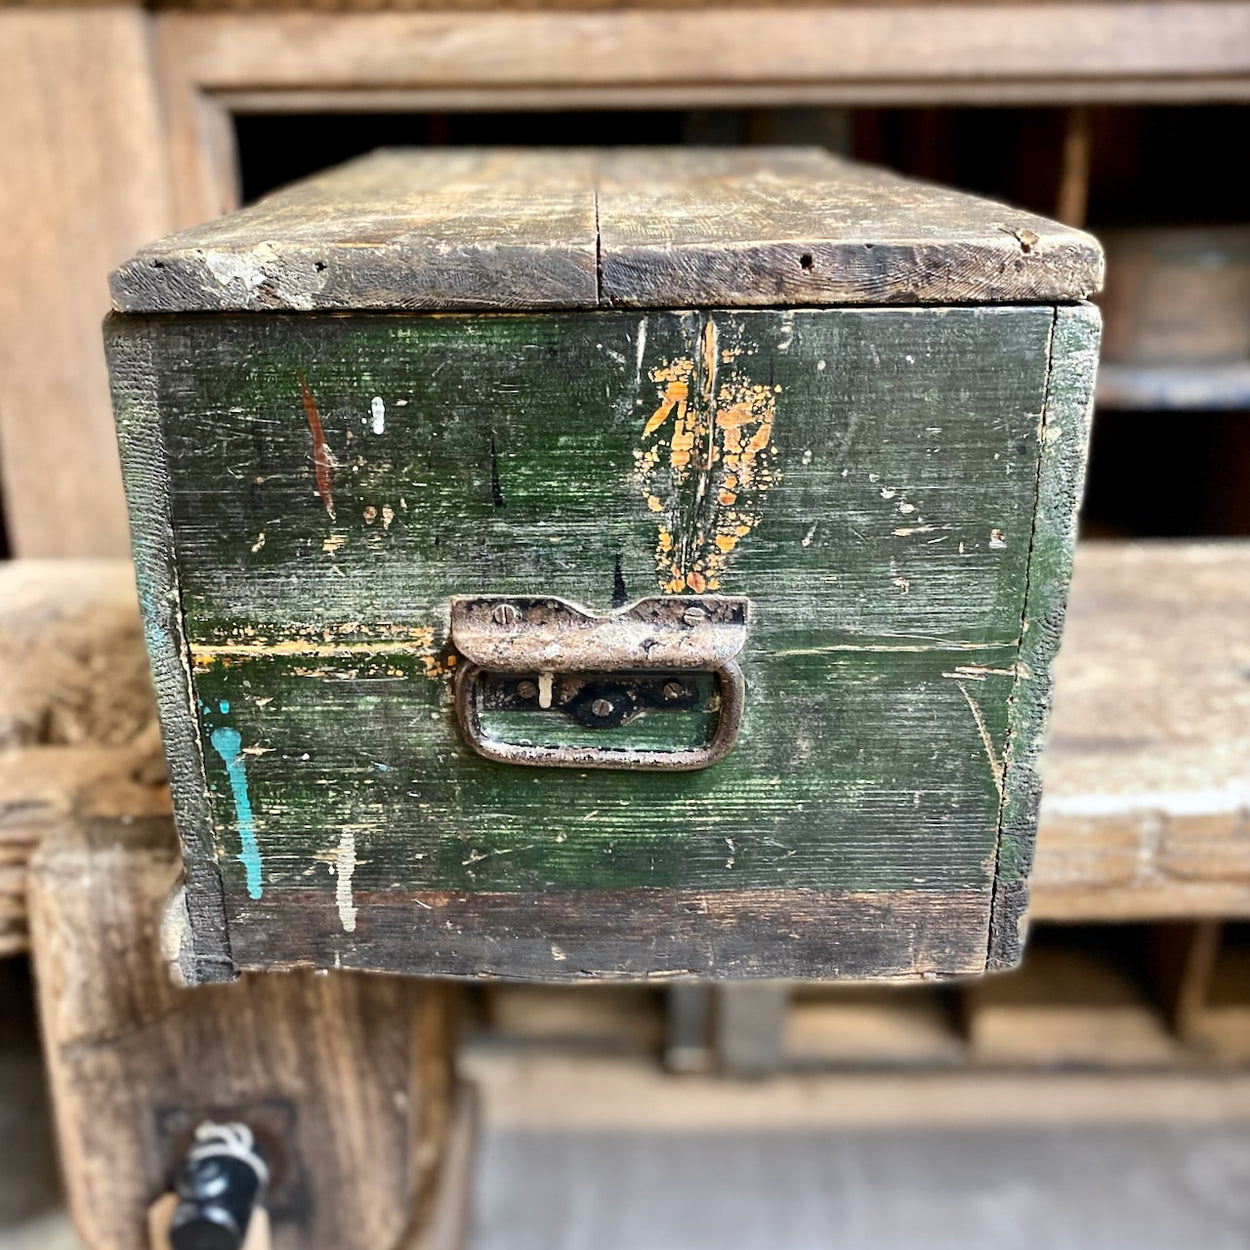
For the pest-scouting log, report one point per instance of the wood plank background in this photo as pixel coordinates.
(118, 127)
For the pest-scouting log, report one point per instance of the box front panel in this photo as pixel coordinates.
(866, 478)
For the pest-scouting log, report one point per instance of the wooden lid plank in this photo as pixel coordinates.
(451, 228)
(798, 226)
(638, 228)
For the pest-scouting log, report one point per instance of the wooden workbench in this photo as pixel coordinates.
(1147, 772)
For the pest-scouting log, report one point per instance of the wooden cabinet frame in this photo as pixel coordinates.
(150, 97)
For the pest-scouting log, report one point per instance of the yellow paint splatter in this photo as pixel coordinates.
(374, 646)
(706, 462)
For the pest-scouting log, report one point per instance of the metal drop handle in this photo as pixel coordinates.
(547, 637)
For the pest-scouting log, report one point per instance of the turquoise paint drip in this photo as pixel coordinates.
(229, 745)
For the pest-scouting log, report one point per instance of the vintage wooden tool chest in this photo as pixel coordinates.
(574, 564)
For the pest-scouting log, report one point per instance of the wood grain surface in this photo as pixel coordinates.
(799, 226)
(1148, 768)
(345, 1079)
(82, 183)
(456, 228)
(871, 484)
(1157, 639)
(648, 228)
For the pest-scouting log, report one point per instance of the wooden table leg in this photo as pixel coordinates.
(345, 1079)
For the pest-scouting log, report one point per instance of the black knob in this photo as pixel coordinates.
(218, 1188)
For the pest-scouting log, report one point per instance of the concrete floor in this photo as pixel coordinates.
(1111, 1189)
(584, 1178)
(31, 1216)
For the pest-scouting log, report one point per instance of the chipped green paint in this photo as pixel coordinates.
(887, 568)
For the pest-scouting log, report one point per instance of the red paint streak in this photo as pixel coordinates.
(323, 464)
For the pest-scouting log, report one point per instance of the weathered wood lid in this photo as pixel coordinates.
(628, 228)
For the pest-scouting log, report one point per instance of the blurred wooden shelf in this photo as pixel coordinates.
(1066, 1008)
(1196, 388)
(1146, 807)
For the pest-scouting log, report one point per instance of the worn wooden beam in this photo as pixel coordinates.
(595, 1093)
(82, 183)
(792, 46)
(1146, 807)
(41, 787)
(1065, 1007)
(345, 1079)
(212, 63)
(76, 712)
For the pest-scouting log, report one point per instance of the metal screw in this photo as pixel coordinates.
(505, 614)
(526, 690)
(694, 616)
(673, 690)
(601, 708)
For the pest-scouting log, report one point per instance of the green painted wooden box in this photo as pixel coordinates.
(632, 564)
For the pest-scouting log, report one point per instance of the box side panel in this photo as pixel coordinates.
(1061, 478)
(866, 477)
(630, 934)
(130, 347)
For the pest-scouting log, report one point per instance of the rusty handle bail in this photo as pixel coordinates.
(547, 636)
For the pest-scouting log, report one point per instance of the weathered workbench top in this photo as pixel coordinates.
(1147, 772)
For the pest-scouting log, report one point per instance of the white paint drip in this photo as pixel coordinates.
(787, 330)
(642, 347)
(378, 409)
(344, 866)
